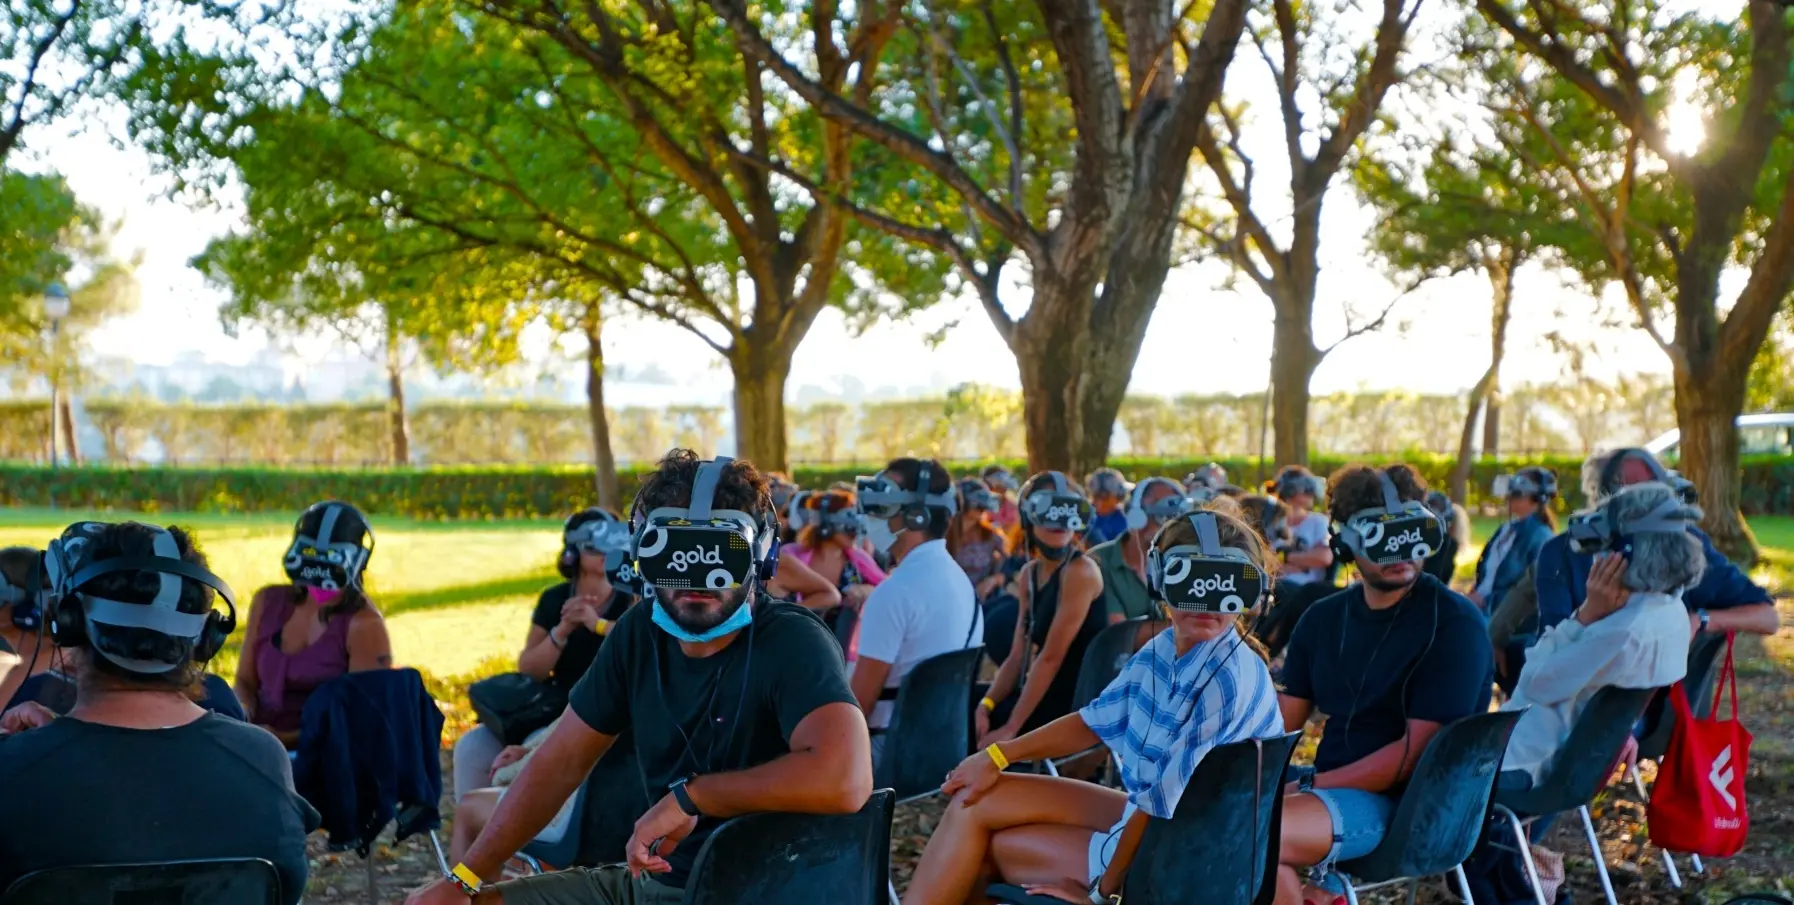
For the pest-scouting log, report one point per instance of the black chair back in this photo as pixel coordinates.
(612, 798)
(228, 881)
(1441, 814)
(1585, 762)
(846, 620)
(1220, 845)
(931, 724)
(778, 858)
(1108, 652)
(1703, 672)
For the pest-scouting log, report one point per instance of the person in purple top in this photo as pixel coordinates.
(319, 627)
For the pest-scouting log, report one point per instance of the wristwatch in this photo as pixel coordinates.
(1097, 897)
(1705, 618)
(683, 798)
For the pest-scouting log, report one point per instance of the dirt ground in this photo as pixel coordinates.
(1766, 692)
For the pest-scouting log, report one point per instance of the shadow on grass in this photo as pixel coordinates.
(459, 595)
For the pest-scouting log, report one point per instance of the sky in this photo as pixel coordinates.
(1203, 338)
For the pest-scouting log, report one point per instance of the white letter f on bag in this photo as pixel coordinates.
(1721, 777)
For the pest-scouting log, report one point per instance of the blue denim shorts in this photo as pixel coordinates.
(1360, 821)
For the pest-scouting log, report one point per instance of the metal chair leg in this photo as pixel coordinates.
(1594, 847)
(1463, 884)
(1051, 768)
(442, 860)
(1413, 890)
(1532, 870)
(1669, 860)
(535, 866)
(893, 885)
(1696, 861)
(1350, 893)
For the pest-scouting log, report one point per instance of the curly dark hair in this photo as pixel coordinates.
(741, 487)
(137, 539)
(1355, 488)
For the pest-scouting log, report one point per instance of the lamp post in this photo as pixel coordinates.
(56, 307)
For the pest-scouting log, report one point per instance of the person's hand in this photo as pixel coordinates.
(1476, 597)
(1607, 591)
(975, 776)
(1068, 890)
(1004, 733)
(980, 721)
(509, 756)
(582, 611)
(989, 584)
(1629, 754)
(27, 716)
(664, 824)
(437, 892)
(855, 597)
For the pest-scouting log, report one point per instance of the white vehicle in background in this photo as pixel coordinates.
(1771, 433)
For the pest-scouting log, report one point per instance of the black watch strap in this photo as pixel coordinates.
(684, 799)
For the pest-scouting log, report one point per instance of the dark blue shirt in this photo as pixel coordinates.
(1562, 581)
(1370, 671)
(1106, 528)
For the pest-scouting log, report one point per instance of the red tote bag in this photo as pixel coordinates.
(1698, 803)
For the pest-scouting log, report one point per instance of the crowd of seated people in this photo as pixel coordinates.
(738, 697)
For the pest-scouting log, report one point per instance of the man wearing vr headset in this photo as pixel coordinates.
(926, 607)
(1153, 502)
(737, 703)
(137, 772)
(1726, 600)
(1108, 492)
(1389, 660)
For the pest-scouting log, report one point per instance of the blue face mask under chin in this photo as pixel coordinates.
(737, 620)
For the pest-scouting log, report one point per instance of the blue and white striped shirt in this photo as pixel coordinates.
(1164, 712)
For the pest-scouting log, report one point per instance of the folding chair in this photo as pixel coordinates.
(931, 727)
(1108, 652)
(1703, 661)
(840, 859)
(1442, 812)
(1578, 773)
(225, 881)
(1220, 845)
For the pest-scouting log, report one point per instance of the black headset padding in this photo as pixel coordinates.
(68, 627)
(915, 515)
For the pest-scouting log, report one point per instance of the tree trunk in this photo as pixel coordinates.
(65, 422)
(1051, 347)
(604, 463)
(760, 375)
(1500, 270)
(1293, 360)
(1492, 424)
(1706, 411)
(395, 402)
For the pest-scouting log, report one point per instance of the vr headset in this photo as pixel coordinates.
(1440, 502)
(796, 516)
(1107, 481)
(28, 602)
(1538, 483)
(75, 615)
(1206, 578)
(974, 495)
(1211, 476)
(1002, 480)
(1610, 474)
(1398, 531)
(321, 562)
(1292, 482)
(1163, 510)
(830, 522)
(1060, 507)
(698, 548)
(1596, 531)
(879, 497)
(604, 534)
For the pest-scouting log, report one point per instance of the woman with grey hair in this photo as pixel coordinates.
(1631, 632)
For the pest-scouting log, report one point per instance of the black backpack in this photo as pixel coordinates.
(514, 705)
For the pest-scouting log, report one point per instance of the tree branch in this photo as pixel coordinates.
(1361, 110)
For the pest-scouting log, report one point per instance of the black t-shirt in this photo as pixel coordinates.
(1370, 670)
(720, 714)
(82, 793)
(582, 643)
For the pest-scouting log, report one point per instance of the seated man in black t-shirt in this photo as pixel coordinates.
(737, 703)
(137, 772)
(1389, 660)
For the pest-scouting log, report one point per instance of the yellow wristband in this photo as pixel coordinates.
(465, 878)
(603, 627)
(988, 705)
(996, 757)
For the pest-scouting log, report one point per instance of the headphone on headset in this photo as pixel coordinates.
(74, 613)
(572, 544)
(664, 540)
(1137, 516)
(27, 600)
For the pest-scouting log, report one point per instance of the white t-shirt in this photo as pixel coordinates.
(1310, 534)
(925, 608)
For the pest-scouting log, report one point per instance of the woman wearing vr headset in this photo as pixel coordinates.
(567, 626)
(137, 772)
(1074, 840)
(1307, 558)
(974, 539)
(828, 544)
(318, 627)
(1516, 543)
(1057, 616)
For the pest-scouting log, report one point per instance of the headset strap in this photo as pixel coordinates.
(1392, 498)
(703, 488)
(168, 566)
(1207, 537)
(1670, 517)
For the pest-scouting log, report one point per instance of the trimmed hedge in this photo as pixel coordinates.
(514, 492)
